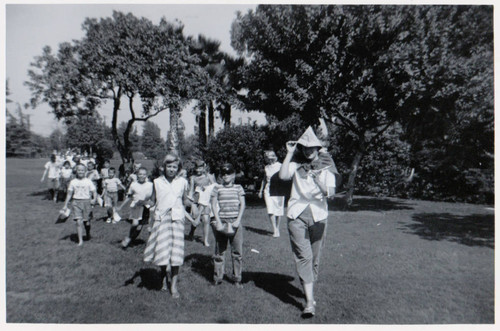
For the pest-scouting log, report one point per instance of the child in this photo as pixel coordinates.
(198, 184)
(140, 192)
(92, 173)
(104, 174)
(52, 169)
(165, 246)
(82, 193)
(230, 199)
(110, 194)
(274, 204)
(313, 174)
(65, 176)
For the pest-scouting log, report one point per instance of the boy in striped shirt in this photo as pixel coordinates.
(228, 205)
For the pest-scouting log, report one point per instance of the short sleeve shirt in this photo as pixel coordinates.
(81, 188)
(140, 191)
(111, 184)
(228, 198)
(66, 173)
(53, 168)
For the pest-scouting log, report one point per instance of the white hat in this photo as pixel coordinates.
(309, 139)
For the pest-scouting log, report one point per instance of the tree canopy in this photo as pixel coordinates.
(120, 57)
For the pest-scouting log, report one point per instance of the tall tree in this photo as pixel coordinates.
(353, 66)
(152, 145)
(120, 58)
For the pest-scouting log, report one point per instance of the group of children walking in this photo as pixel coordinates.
(219, 205)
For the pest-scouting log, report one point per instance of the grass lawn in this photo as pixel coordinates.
(386, 261)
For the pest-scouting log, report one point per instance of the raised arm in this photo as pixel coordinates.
(285, 173)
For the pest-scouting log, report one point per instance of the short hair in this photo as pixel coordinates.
(90, 162)
(171, 158)
(81, 164)
(142, 168)
(111, 169)
(106, 160)
(66, 162)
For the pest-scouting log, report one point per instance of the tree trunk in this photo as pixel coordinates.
(211, 124)
(173, 138)
(202, 127)
(354, 170)
(114, 129)
(226, 115)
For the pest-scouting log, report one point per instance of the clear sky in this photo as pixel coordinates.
(30, 27)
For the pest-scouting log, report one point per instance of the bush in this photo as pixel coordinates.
(242, 146)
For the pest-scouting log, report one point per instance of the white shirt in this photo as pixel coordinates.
(66, 173)
(140, 191)
(169, 196)
(81, 188)
(270, 170)
(53, 168)
(305, 193)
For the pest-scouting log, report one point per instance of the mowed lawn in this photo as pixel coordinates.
(386, 261)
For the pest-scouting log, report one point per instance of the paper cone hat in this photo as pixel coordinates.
(309, 139)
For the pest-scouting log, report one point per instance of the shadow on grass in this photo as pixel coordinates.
(470, 230)
(258, 231)
(73, 237)
(368, 204)
(149, 278)
(276, 284)
(44, 193)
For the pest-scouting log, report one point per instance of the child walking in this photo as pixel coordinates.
(52, 172)
(141, 192)
(82, 193)
(199, 183)
(165, 246)
(228, 205)
(110, 194)
(65, 176)
(275, 204)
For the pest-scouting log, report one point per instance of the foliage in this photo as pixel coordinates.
(364, 68)
(119, 57)
(241, 146)
(152, 145)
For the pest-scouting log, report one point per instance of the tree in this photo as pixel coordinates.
(57, 139)
(120, 57)
(84, 132)
(221, 86)
(152, 145)
(354, 66)
(242, 146)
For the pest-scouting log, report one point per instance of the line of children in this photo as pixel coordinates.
(52, 172)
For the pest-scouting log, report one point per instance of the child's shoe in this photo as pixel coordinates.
(108, 220)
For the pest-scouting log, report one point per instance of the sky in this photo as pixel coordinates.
(30, 27)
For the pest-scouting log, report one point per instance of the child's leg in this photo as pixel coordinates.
(135, 230)
(219, 255)
(195, 214)
(236, 253)
(206, 226)
(173, 287)
(87, 228)
(163, 276)
(79, 231)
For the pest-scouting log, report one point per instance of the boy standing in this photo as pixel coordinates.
(110, 193)
(230, 199)
(82, 192)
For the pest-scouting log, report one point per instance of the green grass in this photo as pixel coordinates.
(387, 261)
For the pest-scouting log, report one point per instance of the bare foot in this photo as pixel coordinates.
(80, 243)
(206, 244)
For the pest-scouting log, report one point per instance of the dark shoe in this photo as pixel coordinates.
(309, 311)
